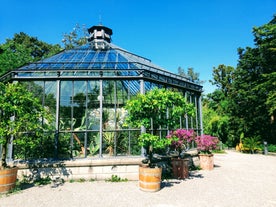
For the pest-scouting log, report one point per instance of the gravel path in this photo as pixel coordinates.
(240, 180)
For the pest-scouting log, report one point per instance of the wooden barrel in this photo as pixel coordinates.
(150, 179)
(8, 179)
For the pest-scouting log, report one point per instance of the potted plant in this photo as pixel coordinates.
(205, 145)
(21, 115)
(157, 108)
(180, 140)
(149, 172)
(151, 143)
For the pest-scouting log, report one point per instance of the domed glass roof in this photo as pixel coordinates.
(100, 58)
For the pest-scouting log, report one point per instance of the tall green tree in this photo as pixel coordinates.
(216, 104)
(223, 78)
(23, 49)
(252, 95)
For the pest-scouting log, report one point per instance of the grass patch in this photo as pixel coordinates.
(218, 151)
(81, 180)
(72, 181)
(116, 178)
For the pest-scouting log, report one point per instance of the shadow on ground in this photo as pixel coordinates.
(171, 182)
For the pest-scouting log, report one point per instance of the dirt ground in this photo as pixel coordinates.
(238, 180)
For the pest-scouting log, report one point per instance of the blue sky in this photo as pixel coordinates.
(188, 33)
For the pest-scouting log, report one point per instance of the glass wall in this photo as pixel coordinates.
(79, 114)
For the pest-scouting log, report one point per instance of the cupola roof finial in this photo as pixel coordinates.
(99, 36)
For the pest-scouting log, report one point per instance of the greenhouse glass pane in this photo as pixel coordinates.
(78, 146)
(122, 93)
(93, 143)
(79, 105)
(65, 148)
(93, 110)
(66, 94)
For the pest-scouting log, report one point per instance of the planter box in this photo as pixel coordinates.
(180, 168)
(206, 161)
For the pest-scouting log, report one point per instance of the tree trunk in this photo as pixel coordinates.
(3, 163)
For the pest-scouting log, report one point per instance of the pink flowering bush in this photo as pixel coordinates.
(180, 139)
(206, 143)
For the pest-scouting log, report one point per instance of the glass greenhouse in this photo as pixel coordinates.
(87, 87)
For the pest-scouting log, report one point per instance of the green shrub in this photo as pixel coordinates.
(81, 180)
(92, 180)
(251, 145)
(271, 148)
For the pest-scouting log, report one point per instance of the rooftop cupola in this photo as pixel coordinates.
(99, 36)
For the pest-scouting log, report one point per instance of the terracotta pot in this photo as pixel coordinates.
(8, 179)
(150, 178)
(206, 161)
(180, 168)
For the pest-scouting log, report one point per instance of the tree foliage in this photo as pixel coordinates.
(76, 37)
(268, 86)
(23, 49)
(253, 92)
(190, 75)
(215, 117)
(21, 115)
(216, 104)
(158, 107)
(245, 99)
(223, 78)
